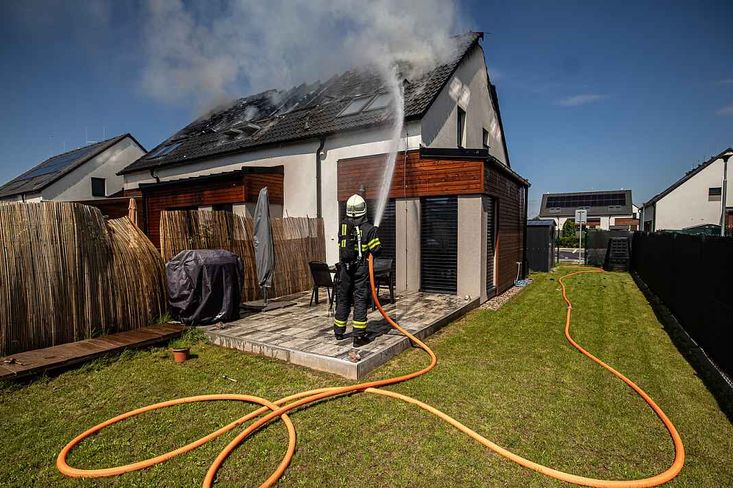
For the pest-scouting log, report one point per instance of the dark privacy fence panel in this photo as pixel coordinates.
(490, 210)
(693, 276)
(595, 242)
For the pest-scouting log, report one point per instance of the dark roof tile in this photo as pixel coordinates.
(304, 112)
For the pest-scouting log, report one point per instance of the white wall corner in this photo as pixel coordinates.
(471, 240)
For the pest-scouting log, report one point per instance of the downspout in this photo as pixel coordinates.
(524, 234)
(152, 174)
(319, 204)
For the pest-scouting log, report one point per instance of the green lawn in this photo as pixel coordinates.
(510, 375)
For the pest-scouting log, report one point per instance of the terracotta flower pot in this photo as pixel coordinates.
(180, 355)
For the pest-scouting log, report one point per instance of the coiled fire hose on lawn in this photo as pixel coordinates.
(280, 408)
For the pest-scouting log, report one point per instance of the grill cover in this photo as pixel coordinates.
(204, 286)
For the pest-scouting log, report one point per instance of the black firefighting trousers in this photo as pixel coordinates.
(353, 289)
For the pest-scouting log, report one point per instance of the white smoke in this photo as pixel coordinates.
(203, 53)
(211, 52)
(396, 90)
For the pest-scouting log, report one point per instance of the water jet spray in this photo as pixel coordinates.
(396, 90)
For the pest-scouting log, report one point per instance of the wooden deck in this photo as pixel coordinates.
(42, 360)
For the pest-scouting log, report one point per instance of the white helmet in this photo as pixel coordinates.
(355, 206)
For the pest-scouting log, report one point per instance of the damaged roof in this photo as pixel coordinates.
(52, 169)
(304, 112)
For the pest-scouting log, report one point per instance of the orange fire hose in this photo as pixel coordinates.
(280, 408)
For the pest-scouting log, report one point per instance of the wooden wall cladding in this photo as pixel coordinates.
(207, 191)
(412, 177)
(626, 221)
(509, 195)
(114, 208)
(253, 183)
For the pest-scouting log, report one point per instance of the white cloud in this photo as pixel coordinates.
(727, 110)
(577, 100)
(726, 81)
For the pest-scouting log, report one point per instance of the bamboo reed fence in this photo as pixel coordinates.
(66, 274)
(297, 241)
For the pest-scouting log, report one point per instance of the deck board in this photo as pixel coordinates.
(49, 358)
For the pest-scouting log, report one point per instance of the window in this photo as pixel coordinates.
(714, 193)
(99, 187)
(460, 126)
(164, 150)
(355, 106)
(486, 139)
(380, 101)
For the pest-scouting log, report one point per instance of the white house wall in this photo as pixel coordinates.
(469, 89)
(77, 185)
(688, 204)
(299, 179)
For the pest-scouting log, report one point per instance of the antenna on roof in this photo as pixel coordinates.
(86, 136)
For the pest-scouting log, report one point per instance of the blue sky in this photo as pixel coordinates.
(594, 95)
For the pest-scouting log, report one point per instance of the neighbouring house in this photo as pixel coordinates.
(88, 173)
(606, 210)
(455, 214)
(692, 201)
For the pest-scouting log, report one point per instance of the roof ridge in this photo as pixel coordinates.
(320, 105)
(63, 171)
(688, 174)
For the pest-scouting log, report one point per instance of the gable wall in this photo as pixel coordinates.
(468, 88)
(688, 205)
(77, 184)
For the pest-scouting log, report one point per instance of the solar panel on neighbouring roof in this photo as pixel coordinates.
(590, 200)
(58, 163)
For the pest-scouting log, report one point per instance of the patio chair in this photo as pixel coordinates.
(383, 276)
(321, 276)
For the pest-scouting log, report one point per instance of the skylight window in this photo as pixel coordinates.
(165, 150)
(380, 101)
(355, 106)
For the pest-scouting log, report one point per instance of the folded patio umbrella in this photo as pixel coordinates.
(264, 248)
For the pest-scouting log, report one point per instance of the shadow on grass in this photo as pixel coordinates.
(706, 370)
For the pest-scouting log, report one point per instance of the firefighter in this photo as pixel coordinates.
(357, 239)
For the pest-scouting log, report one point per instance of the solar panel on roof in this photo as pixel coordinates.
(591, 200)
(58, 163)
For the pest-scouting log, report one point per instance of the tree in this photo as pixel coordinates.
(568, 236)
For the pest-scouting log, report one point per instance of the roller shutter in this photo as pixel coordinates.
(387, 236)
(439, 245)
(490, 212)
